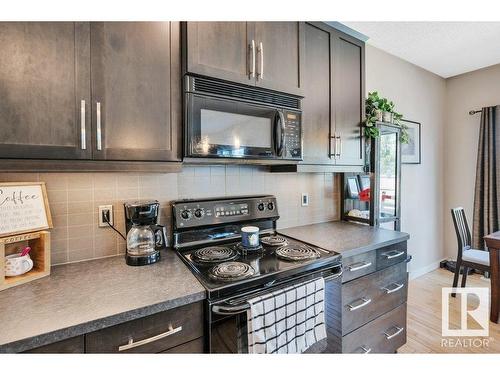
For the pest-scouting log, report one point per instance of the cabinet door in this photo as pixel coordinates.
(316, 118)
(348, 100)
(136, 90)
(221, 50)
(44, 77)
(279, 56)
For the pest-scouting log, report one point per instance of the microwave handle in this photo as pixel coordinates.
(281, 124)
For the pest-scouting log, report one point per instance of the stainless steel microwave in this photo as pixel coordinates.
(227, 120)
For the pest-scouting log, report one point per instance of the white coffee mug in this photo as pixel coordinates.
(16, 264)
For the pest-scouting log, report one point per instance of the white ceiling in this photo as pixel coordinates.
(444, 48)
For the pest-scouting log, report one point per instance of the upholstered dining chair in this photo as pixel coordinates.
(466, 257)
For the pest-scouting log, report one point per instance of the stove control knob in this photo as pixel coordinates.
(199, 213)
(186, 214)
(261, 207)
(270, 206)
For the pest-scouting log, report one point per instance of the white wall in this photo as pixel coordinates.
(465, 92)
(420, 96)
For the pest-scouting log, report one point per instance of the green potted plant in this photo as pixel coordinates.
(382, 109)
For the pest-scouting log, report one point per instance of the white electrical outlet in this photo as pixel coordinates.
(103, 210)
(304, 200)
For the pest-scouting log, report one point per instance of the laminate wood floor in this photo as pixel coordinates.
(424, 317)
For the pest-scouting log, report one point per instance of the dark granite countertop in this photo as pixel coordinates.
(83, 297)
(345, 238)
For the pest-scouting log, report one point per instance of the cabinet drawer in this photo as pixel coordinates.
(191, 347)
(374, 260)
(73, 345)
(384, 335)
(390, 255)
(153, 334)
(359, 265)
(371, 296)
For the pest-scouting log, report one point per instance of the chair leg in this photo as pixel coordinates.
(455, 278)
(464, 276)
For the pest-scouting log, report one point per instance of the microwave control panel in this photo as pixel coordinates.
(293, 135)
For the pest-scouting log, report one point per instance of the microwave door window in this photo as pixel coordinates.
(235, 134)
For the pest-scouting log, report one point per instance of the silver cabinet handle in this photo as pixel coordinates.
(131, 344)
(261, 52)
(252, 63)
(333, 149)
(338, 148)
(398, 331)
(364, 301)
(82, 125)
(393, 254)
(365, 349)
(398, 287)
(98, 126)
(358, 266)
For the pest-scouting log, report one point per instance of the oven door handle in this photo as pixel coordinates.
(230, 310)
(281, 125)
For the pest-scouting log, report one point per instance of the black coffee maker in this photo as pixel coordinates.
(145, 237)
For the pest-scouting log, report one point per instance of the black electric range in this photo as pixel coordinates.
(207, 237)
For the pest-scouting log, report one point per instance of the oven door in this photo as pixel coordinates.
(222, 128)
(228, 318)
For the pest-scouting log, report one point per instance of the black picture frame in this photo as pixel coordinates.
(412, 153)
(352, 187)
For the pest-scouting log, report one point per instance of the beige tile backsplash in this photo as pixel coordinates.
(74, 199)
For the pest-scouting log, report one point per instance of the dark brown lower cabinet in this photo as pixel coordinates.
(74, 345)
(178, 330)
(366, 313)
(153, 334)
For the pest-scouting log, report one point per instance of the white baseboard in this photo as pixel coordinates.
(423, 270)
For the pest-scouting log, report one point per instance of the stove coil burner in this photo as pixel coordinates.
(296, 252)
(248, 250)
(274, 241)
(214, 254)
(231, 271)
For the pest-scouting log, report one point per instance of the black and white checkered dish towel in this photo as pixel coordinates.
(289, 320)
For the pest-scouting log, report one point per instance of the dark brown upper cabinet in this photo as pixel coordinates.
(45, 90)
(349, 99)
(136, 97)
(265, 54)
(333, 104)
(90, 91)
(316, 110)
(220, 49)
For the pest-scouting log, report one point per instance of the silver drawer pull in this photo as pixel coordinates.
(131, 344)
(365, 349)
(398, 287)
(364, 302)
(358, 266)
(398, 331)
(393, 254)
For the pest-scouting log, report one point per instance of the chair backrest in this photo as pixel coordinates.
(461, 228)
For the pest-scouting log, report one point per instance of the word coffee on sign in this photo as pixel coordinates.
(22, 208)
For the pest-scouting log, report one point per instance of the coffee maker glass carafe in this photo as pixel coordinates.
(140, 240)
(140, 219)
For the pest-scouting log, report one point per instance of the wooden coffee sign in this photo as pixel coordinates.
(23, 208)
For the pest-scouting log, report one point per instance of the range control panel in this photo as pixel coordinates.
(194, 213)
